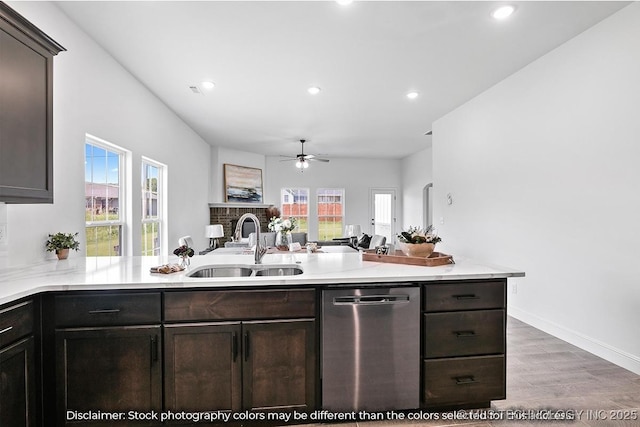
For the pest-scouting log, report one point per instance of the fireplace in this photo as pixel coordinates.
(228, 215)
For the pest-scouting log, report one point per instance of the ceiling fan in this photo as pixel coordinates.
(302, 160)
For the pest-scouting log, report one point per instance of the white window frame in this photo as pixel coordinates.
(160, 219)
(124, 165)
(319, 217)
(284, 192)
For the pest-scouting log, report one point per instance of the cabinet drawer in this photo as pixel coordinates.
(472, 295)
(464, 380)
(463, 333)
(16, 321)
(246, 305)
(107, 310)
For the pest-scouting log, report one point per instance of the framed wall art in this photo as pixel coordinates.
(242, 184)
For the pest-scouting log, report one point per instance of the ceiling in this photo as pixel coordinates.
(365, 57)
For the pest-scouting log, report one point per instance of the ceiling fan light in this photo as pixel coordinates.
(299, 163)
(314, 90)
(208, 85)
(503, 12)
(305, 164)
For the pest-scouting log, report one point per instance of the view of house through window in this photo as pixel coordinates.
(330, 213)
(151, 207)
(103, 198)
(295, 204)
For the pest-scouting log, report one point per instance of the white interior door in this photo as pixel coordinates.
(383, 213)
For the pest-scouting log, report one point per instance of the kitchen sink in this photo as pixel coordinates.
(245, 270)
(221, 271)
(278, 271)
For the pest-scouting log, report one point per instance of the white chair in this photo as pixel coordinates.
(377, 240)
(185, 241)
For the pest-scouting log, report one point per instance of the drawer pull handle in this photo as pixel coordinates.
(105, 311)
(234, 347)
(466, 297)
(465, 380)
(465, 334)
(246, 346)
(155, 352)
(6, 329)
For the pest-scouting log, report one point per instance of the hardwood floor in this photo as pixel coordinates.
(545, 373)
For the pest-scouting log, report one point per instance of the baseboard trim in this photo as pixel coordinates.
(594, 346)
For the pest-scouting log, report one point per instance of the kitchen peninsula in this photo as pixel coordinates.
(113, 337)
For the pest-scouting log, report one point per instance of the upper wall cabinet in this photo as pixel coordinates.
(26, 110)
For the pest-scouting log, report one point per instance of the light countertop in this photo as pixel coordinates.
(112, 273)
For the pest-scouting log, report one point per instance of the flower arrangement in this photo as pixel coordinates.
(278, 224)
(417, 235)
(184, 251)
(418, 242)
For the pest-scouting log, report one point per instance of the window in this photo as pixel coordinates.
(152, 195)
(295, 204)
(104, 197)
(330, 213)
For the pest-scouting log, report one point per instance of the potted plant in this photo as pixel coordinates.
(60, 243)
(418, 242)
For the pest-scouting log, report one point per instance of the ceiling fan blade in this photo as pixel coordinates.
(316, 159)
(289, 160)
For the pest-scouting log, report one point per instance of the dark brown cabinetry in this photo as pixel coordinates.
(26, 110)
(259, 354)
(464, 335)
(108, 357)
(17, 366)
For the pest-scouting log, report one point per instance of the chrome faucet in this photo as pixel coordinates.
(260, 250)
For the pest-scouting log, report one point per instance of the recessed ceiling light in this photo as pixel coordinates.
(503, 12)
(314, 90)
(208, 85)
(344, 2)
(412, 95)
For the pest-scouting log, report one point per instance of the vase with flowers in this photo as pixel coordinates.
(418, 242)
(283, 229)
(184, 252)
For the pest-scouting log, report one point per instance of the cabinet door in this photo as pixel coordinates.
(203, 367)
(279, 365)
(17, 385)
(113, 369)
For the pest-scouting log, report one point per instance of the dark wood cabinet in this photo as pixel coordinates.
(26, 110)
(17, 385)
(17, 366)
(203, 367)
(239, 361)
(108, 357)
(464, 343)
(111, 370)
(279, 365)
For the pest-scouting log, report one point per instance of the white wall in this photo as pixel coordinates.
(543, 170)
(94, 94)
(417, 172)
(222, 155)
(356, 176)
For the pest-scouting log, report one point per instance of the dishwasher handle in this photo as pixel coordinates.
(371, 300)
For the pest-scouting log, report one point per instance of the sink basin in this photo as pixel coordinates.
(245, 270)
(285, 270)
(221, 271)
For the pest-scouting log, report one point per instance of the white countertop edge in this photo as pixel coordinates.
(132, 273)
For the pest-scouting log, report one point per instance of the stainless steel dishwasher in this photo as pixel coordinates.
(371, 348)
